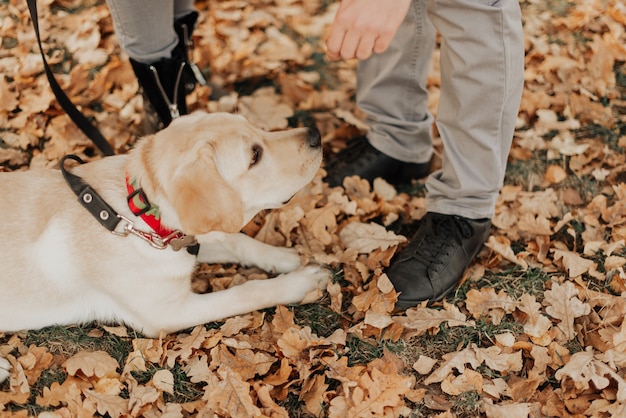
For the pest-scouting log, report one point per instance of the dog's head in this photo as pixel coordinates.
(217, 171)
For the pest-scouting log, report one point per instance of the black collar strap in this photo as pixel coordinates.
(111, 220)
(88, 197)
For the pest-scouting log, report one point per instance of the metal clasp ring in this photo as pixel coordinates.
(128, 227)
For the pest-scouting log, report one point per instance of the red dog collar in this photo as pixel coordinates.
(139, 205)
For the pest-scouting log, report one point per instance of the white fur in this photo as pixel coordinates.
(60, 266)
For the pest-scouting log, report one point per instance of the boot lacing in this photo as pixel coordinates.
(440, 239)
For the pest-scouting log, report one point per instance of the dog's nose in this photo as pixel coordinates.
(314, 138)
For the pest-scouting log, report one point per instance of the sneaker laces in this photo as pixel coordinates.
(445, 233)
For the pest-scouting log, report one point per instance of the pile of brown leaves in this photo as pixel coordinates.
(567, 355)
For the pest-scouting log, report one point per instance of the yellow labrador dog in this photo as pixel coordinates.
(200, 180)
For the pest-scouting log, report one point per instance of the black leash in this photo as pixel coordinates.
(79, 119)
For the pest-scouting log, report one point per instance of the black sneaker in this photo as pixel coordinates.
(432, 264)
(362, 159)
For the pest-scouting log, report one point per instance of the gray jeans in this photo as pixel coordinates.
(482, 75)
(482, 70)
(145, 28)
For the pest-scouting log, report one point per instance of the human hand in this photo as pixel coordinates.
(363, 27)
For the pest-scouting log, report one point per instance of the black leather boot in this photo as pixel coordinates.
(163, 91)
(184, 27)
(362, 159)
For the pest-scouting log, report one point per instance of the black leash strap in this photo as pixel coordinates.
(79, 119)
(88, 197)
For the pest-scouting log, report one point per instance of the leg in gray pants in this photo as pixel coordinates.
(145, 28)
(482, 59)
(155, 34)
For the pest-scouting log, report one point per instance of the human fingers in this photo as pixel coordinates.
(382, 43)
(349, 45)
(366, 46)
(335, 42)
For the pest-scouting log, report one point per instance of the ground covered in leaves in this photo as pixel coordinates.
(536, 330)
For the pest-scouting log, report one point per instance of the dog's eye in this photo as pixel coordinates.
(257, 153)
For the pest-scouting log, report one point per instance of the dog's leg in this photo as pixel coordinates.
(250, 296)
(5, 367)
(220, 247)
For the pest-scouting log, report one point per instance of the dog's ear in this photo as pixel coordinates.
(203, 201)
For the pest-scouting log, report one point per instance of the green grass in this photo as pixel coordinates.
(184, 390)
(69, 340)
(528, 173)
(318, 316)
(515, 282)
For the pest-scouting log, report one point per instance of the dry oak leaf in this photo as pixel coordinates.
(163, 380)
(188, 343)
(536, 324)
(583, 368)
(264, 109)
(294, 341)
(231, 396)
(376, 394)
(322, 223)
(245, 362)
(34, 362)
(486, 302)
(120, 331)
(233, 326)
(141, 397)
(424, 364)
(544, 203)
(198, 370)
(313, 392)
(502, 246)
(20, 389)
(112, 405)
(8, 98)
(379, 299)
(512, 410)
(495, 387)
(56, 394)
(493, 357)
(534, 225)
(92, 363)
(555, 174)
(498, 359)
(419, 320)
(563, 304)
(378, 320)
(282, 321)
(270, 408)
(456, 360)
(614, 262)
(574, 263)
(467, 381)
(150, 349)
(367, 237)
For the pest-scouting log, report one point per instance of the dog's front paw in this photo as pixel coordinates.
(282, 260)
(5, 368)
(317, 279)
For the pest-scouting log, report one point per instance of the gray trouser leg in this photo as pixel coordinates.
(183, 8)
(482, 75)
(145, 28)
(482, 60)
(391, 90)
